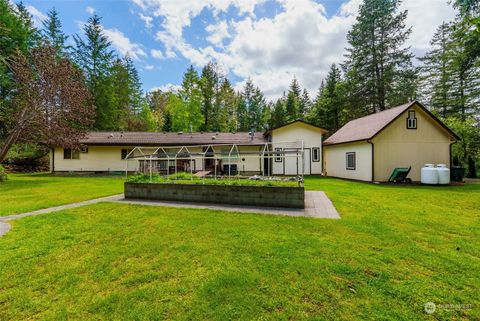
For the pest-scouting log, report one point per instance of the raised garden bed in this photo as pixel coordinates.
(236, 192)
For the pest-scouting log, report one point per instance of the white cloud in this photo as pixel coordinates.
(300, 40)
(217, 33)
(123, 44)
(37, 16)
(90, 10)
(147, 20)
(158, 54)
(149, 67)
(167, 87)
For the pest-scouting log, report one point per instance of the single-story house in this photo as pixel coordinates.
(369, 148)
(292, 149)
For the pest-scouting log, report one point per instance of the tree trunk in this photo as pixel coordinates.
(11, 139)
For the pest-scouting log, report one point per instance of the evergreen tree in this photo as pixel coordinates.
(328, 104)
(436, 72)
(293, 101)
(304, 105)
(378, 65)
(278, 114)
(16, 34)
(227, 102)
(52, 32)
(253, 104)
(208, 86)
(191, 96)
(95, 57)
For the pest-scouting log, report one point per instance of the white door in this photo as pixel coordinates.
(293, 163)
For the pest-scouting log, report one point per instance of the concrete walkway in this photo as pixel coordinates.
(5, 227)
(317, 205)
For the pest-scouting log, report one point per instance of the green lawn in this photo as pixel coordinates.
(395, 248)
(23, 193)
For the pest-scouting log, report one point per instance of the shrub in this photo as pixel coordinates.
(3, 174)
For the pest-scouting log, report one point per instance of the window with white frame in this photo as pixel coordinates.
(411, 120)
(351, 161)
(315, 154)
(278, 156)
(125, 152)
(70, 154)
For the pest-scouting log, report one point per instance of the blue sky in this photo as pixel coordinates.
(270, 41)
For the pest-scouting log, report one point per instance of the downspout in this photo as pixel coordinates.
(450, 152)
(53, 161)
(373, 160)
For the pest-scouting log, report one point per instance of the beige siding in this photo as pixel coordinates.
(98, 158)
(108, 158)
(336, 161)
(397, 146)
(298, 131)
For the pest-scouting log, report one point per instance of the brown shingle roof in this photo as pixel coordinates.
(171, 139)
(366, 127)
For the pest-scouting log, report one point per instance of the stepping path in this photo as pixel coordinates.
(5, 227)
(317, 205)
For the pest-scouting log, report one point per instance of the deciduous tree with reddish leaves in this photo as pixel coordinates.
(52, 103)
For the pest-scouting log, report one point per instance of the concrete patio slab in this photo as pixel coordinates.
(317, 205)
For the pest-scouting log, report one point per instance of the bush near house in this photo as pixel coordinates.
(3, 174)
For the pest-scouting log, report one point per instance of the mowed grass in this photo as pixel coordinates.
(395, 248)
(28, 192)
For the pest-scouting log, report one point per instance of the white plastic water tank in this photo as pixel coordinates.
(443, 174)
(429, 174)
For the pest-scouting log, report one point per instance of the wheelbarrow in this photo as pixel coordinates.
(399, 175)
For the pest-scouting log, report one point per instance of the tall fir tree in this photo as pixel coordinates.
(437, 72)
(278, 115)
(208, 85)
(292, 104)
(227, 102)
(327, 112)
(16, 34)
(52, 32)
(95, 56)
(378, 65)
(191, 96)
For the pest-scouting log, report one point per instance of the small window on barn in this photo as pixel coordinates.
(278, 156)
(351, 161)
(411, 120)
(315, 154)
(125, 152)
(70, 154)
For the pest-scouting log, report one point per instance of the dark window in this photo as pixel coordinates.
(125, 152)
(315, 154)
(278, 156)
(411, 120)
(84, 149)
(351, 161)
(70, 154)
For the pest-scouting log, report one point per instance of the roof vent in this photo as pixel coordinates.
(213, 137)
(111, 135)
(216, 134)
(180, 133)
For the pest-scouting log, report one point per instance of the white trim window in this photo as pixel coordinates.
(71, 154)
(315, 154)
(351, 161)
(411, 120)
(278, 156)
(125, 152)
